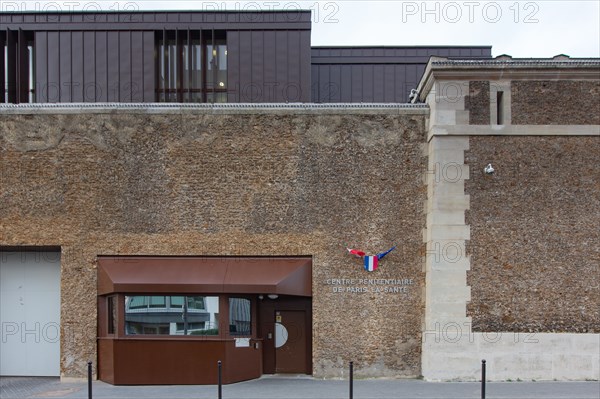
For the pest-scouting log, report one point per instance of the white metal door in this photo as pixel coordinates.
(29, 313)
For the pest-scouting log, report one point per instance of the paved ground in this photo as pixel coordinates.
(302, 388)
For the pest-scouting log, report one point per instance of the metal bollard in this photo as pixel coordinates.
(89, 380)
(351, 380)
(483, 379)
(220, 391)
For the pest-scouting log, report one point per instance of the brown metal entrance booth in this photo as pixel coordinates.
(169, 320)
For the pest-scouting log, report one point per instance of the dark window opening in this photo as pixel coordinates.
(17, 67)
(240, 316)
(499, 108)
(112, 314)
(192, 66)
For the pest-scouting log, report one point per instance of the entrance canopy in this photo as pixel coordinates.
(234, 275)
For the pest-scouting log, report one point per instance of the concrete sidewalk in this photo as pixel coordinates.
(277, 387)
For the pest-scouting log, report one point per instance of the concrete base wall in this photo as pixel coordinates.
(452, 353)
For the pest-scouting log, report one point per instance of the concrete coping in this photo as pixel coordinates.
(227, 108)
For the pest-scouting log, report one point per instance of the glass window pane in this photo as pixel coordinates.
(137, 302)
(150, 315)
(240, 316)
(177, 301)
(195, 302)
(196, 65)
(158, 302)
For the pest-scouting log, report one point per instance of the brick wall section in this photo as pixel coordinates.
(232, 184)
(478, 102)
(555, 102)
(535, 242)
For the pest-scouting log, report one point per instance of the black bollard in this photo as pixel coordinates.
(220, 392)
(89, 380)
(483, 379)
(351, 380)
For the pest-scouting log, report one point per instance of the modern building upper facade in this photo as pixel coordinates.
(202, 57)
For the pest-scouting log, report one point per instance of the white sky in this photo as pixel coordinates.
(541, 28)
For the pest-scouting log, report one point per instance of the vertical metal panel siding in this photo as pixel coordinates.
(389, 85)
(149, 67)
(375, 74)
(259, 83)
(137, 67)
(357, 79)
(101, 67)
(53, 82)
(305, 70)
(113, 56)
(41, 70)
(269, 67)
(334, 87)
(281, 63)
(125, 81)
(77, 67)
(314, 87)
(378, 83)
(292, 90)
(64, 60)
(89, 64)
(346, 84)
(367, 84)
(248, 93)
(233, 66)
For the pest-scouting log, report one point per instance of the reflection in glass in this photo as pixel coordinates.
(112, 314)
(240, 316)
(172, 315)
(192, 66)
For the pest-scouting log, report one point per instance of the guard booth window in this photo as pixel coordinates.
(192, 66)
(17, 67)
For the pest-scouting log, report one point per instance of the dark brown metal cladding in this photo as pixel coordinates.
(170, 20)
(283, 276)
(170, 361)
(376, 74)
(110, 57)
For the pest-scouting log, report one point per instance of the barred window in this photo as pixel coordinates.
(192, 66)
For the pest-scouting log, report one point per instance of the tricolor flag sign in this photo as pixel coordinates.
(371, 262)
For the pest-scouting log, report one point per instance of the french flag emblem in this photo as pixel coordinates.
(371, 263)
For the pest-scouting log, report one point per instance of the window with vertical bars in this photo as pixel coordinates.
(192, 66)
(17, 67)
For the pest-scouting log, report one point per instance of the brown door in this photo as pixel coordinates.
(290, 341)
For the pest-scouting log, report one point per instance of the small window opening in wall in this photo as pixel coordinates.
(112, 313)
(500, 108)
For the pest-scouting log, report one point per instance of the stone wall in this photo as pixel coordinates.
(251, 182)
(478, 102)
(534, 234)
(549, 102)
